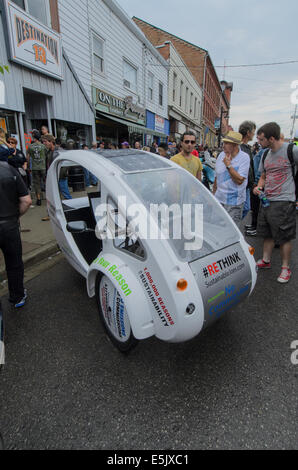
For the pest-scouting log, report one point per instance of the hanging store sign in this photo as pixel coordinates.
(159, 123)
(32, 44)
(123, 108)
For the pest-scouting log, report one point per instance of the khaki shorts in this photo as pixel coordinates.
(278, 221)
(37, 177)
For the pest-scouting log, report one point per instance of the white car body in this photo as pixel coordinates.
(218, 277)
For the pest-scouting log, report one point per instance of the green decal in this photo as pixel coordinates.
(114, 271)
(216, 297)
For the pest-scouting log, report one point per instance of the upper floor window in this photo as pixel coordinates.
(191, 104)
(160, 94)
(181, 92)
(39, 9)
(130, 76)
(98, 54)
(150, 86)
(186, 100)
(174, 86)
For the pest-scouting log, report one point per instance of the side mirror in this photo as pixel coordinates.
(77, 227)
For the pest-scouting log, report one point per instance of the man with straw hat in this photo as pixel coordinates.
(232, 167)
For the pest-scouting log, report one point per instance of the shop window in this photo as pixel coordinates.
(150, 86)
(98, 54)
(129, 76)
(160, 100)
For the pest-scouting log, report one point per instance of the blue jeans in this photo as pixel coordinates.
(246, 208)
(89, 178)
(63, 186)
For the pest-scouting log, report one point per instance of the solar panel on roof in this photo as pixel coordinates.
(132, 160)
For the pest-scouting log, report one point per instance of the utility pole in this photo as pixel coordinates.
(294, 120)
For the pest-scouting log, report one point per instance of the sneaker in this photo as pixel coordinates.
(22, 302)
(285, 275)
(263, 265)
(250, 227)
(45, 219)
(38, 202)
(251, 232)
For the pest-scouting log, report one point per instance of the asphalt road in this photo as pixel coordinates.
(64, 385)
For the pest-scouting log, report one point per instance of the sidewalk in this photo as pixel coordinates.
(39, 243)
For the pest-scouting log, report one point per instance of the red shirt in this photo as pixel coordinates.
(195, 153)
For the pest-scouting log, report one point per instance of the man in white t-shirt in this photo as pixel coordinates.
(232, 167)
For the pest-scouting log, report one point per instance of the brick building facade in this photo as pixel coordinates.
(200, 65)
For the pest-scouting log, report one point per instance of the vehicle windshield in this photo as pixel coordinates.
(195, 210)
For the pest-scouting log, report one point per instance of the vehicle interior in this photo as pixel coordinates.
(82, 208)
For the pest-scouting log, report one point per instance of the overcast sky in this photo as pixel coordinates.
(236, 33)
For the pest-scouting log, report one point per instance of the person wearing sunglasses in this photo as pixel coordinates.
(186, 159)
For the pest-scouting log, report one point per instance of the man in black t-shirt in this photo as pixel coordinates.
(15, 201)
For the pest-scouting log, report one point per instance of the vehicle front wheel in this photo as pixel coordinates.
(113, 314)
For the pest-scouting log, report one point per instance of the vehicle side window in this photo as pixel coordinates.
(123, 240)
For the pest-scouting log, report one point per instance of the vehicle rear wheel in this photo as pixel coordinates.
(113, 314)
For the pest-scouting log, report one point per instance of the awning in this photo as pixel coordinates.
(133, 128)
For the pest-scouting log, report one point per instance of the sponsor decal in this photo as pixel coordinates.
(155, 298)
(224, 275)
(120, 316)
(116, 274)
(221, 265)
(231, 298)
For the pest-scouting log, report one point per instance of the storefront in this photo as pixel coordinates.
(179, 125)
(159, 128)
(41, 87)
(119, 120)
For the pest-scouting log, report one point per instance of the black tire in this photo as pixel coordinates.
(119, 331)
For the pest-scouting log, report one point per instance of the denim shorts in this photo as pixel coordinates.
(278, 221)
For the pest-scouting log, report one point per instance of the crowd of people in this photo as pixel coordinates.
(261, 179)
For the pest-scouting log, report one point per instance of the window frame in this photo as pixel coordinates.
(48, 12)
(175, 77)
(95, 70)
(160, 102)
(128, 62)
(150, 76)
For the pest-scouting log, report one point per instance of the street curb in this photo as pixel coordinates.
(35, 256)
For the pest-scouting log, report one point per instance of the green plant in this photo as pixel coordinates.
(3, 68)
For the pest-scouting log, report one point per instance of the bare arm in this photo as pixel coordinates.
(261, 184)
(24, 204)
(199, 175)
(236, 177)
(214, 186)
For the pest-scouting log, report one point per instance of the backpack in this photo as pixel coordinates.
(290, 157)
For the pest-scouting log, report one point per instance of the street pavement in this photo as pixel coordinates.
(64, 385)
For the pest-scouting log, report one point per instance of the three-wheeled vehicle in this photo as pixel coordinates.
(157, 250)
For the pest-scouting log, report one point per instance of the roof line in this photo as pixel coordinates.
(170, 34)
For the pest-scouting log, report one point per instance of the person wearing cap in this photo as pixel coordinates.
(37, 152)
(125, 145)
(232, 167)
